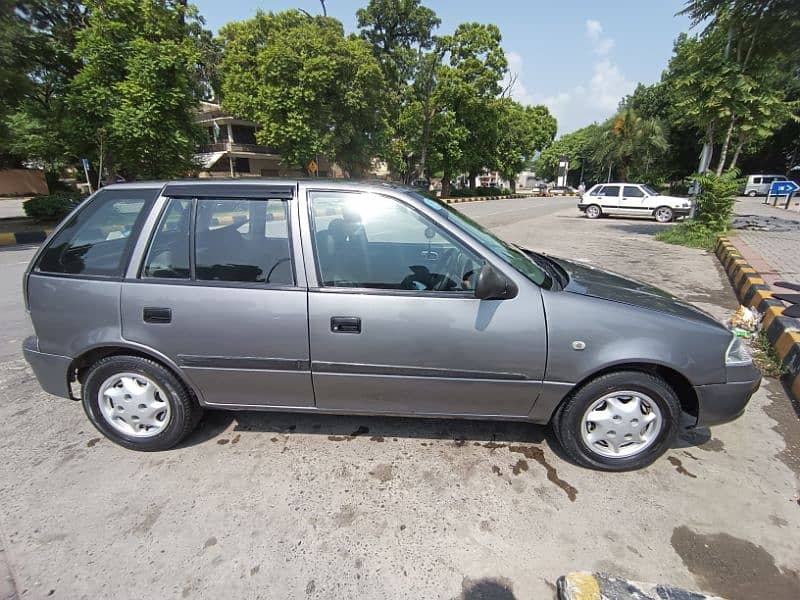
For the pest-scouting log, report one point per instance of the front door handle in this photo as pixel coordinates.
(345, 324)
(152, 314)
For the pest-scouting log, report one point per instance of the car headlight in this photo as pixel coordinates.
(737, 353)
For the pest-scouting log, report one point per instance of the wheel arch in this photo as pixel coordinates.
(83, 362)
(682, 387)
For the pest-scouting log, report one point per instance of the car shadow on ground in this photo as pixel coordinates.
(378, 428)
(637, 226)
(225, 426)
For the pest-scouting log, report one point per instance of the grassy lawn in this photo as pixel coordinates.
(690, 233)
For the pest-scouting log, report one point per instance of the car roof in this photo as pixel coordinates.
(253, 182)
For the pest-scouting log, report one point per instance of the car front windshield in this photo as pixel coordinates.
(507, 252)
(649, 190)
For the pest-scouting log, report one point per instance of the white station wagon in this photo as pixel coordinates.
(632, 199)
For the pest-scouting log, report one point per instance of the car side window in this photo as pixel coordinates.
(767, 179)
(98, 239)
(597, 191)
(243, 241)
(168, 256)
(372, 241)
(756, 179)
(631, 191)
(611, 191)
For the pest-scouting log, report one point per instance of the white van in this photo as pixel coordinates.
(758, 185)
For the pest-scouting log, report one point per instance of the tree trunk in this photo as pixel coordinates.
(446, 183)
(512, 183)
(472, 177)
(708, 147)
(723, 156)
(736, 153)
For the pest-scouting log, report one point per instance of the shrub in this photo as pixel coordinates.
(716, 199)
(51, 208)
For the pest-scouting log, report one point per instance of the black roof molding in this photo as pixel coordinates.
(230, 189)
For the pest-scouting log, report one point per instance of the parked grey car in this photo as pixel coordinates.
(153, 301)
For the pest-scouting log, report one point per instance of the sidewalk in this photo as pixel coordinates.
(769, 238)
(11, 207)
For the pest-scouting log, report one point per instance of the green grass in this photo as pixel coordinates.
(765, 356)
(690, 233)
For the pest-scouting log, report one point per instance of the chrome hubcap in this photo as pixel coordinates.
(621, 424)
(593, 211)
(134, 405)
(664, 215)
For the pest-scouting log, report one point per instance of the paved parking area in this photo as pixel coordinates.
(312, 506)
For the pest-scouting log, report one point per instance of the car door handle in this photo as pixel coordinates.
(345, 324)
(151, 314)
(431, 255)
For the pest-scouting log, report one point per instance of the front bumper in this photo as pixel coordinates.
(50, 369)
(723, 402)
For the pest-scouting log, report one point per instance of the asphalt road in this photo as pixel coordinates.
(16, 325)
(279, 505)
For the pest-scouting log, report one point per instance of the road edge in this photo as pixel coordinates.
(752, 291)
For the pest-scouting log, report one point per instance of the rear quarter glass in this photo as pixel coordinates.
(98, 239)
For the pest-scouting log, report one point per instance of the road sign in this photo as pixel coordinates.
(312, 167)
(783, 188)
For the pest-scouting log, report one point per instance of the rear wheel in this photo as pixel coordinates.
(137, 403)
(752, 193)
(593, 211)
(618, 422)
(664, 214)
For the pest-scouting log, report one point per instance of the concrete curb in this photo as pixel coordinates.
(23, 237)
(752, 291)
(483, 198)
(582, 585)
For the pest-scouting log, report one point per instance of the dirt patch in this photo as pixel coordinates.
(676, 462)
(537, 454)
(382, 473)
(734, 568)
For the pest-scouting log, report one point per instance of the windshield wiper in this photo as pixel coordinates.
(556, 272)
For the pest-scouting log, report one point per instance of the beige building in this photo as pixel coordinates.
(232, 150)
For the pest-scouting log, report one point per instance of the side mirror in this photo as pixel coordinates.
(493, 285)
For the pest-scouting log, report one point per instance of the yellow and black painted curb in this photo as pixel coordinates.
(484, 198)
(23, 237)
(751, 289)
(583, 585)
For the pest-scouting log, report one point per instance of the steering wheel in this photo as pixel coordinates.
(452, 262)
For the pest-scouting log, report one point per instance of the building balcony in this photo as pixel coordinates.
(237, 147)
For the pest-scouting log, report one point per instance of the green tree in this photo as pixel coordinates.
(523, 131)
(631, 143)
(578, 146)
(314, 91)
(398, 32)
(469, 83)
(40, 128)
(133, 99)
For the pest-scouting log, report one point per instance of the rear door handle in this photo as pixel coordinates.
(152, 314)
(345, 324)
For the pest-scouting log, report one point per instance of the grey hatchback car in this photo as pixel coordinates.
(153, 301)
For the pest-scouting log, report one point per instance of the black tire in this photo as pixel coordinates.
(591, 213)
(185, 413)
(567, 421)
(752, 194)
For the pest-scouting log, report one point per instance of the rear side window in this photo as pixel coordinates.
(98, 239)
(244, 241)
(611, 190)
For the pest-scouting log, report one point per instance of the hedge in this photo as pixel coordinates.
(51, 208)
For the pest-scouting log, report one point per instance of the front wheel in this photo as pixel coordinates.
(137, 403)
(593, 211)
(618, 422)
(752, 194)
(664, 214)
